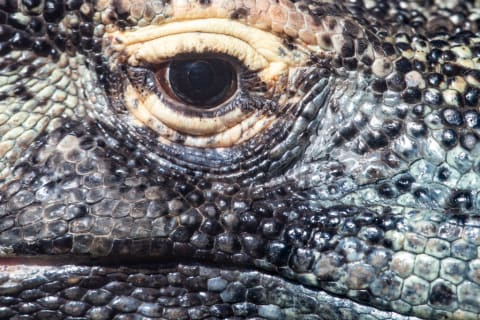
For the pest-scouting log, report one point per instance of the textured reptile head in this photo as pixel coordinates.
(239, 159)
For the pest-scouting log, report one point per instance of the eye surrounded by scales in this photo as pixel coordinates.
(207, 82)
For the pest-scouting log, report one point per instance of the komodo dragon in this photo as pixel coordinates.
(220, 159)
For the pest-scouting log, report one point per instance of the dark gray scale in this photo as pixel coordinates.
(417, 129)
(432, 97)
(418, 111)
(449, 138)
(471, 96)
(386, 190)
(419, 66)
(461, 200)
(376, 139)
(403, 65)
(434, 79)
(392, 128)
(379, 85)
(396, 82)
(452, 117)
(468, 141)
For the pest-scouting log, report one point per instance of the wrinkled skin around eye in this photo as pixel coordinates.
(334, 176)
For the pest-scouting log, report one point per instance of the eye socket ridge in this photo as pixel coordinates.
(203, 87)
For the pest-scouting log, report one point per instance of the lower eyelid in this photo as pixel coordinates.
(237, 134)
(151, 106)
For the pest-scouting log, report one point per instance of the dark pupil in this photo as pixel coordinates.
(206, 82)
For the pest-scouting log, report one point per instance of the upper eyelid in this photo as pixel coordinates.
(264, 41)
(257, 49)
(151, 54)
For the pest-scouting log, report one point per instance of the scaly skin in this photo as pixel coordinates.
(352, 193)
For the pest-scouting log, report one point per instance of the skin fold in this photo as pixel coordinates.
(336, 177)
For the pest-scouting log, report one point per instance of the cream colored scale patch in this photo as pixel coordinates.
(260, 51)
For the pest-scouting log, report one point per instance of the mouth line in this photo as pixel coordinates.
(94, 261)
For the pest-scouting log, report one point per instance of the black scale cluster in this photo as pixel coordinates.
(34, 26)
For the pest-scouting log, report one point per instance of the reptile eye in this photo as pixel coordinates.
(202, 83)
(208, 83)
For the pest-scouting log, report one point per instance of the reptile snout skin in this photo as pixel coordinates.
(214, 159)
